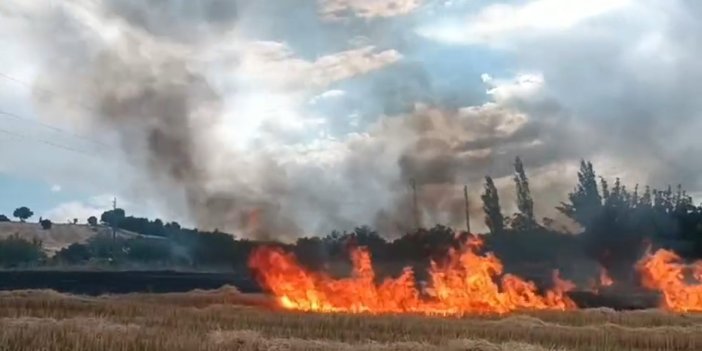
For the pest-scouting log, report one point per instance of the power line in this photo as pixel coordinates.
(13, 79)
(51, 127)
(46, 125)
(47, 142)
(45, 91)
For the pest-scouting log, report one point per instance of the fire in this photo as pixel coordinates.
(468, 283)
(664, 271)
(605, 279)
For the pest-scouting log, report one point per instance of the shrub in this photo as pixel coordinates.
(46, 224)
(16, 252)
(74, 254)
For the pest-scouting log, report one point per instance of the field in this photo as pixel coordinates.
(60, 235)
(227, 320)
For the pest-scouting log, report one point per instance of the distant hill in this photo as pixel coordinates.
(60, 235)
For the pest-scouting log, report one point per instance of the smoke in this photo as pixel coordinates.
(130, 69)
(211, 104)
(636, 88)
(146, 72)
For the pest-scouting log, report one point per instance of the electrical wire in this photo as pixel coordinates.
(47, 142)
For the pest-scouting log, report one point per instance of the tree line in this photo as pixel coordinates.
(615, 223)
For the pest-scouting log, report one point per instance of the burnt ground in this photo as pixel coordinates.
(121, 282)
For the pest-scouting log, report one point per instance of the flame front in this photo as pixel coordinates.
(466, 284)
(605, 279)
(664, 271)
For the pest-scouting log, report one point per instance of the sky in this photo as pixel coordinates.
(315, 114)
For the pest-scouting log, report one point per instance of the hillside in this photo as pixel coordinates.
(60, 235)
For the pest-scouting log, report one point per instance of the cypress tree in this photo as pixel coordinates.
(525, 203)
(491, 205)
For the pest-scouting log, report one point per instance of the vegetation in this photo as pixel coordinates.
(226, 320)
(612, 219)
(23, 213)
(45, 224)
(18, 252)
(616, 223)
(491, 205)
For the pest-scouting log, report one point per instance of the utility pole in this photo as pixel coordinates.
(415, 204)
(465, 197)
(114, 229)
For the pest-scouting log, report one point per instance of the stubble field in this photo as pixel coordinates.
(226, 320)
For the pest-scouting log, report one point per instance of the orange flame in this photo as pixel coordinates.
(466, 284)
(605, 279)
(664, 271)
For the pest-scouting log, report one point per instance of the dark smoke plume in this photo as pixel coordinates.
(145, 85)
(148, 76)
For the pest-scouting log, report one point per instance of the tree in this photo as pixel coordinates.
(23, 213)
(491, 205)
(585, 201)
(46, 224)
(74, 254)
(4, 218)
(92, 220)
(525, 203)
(113, 217)
(148, 250)
(75, 220)
(311, 251)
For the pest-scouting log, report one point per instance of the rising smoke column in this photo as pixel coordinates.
(145, 71)
(133, 70)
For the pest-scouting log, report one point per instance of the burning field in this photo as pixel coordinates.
(469, 303)
(467, 282)
(468, 299)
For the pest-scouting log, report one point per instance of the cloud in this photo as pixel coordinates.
(55, 188)
(273, 64)
(329, 94)
(499, 22)
(96, 205)
(81, 210)
(337, 9)
(523, 86)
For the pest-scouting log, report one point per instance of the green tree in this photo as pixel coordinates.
(23, 213)
(92, 220)
(646, 200)
(46, 224)
(585, 201)
(74, 254)
(113, 217)
(491, 205)
(148, 250)
(525, 203)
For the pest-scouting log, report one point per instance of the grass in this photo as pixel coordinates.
(226, 320)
